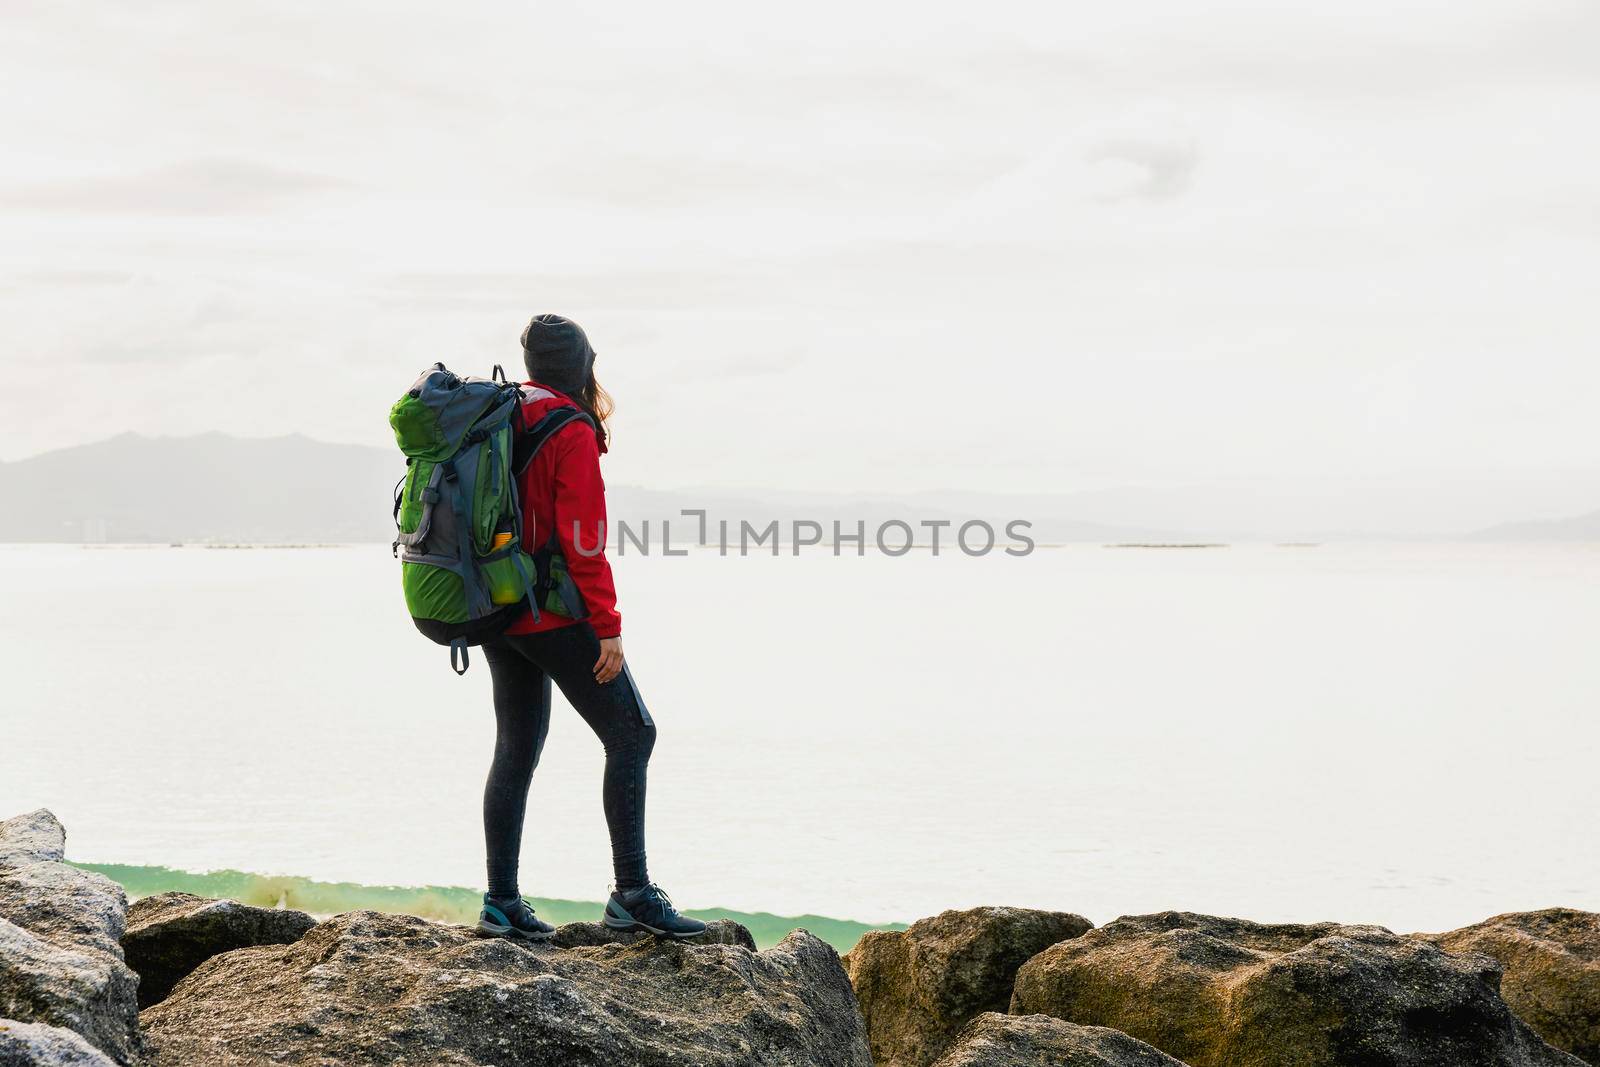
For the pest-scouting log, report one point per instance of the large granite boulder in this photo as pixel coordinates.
(42, 1045)
(918, 987)
(1219, 992)
(994, 1040)
(170, 934)
(369, 988)
(1552, 971)
(582, 935)
(60, 927)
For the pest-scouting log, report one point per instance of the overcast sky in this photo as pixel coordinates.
(981, 245)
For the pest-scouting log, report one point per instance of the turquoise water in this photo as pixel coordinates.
(1400, 734)
(444, 903)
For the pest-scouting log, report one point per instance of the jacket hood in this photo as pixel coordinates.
(538, 399)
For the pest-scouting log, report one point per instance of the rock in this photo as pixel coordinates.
(36, 837)
(995, 1040)
(370, 988)
(718, 932)
(170, 934)
(1229, 993)
(60, 957)
(46, 1046)
(1552, 971)
(918, 987)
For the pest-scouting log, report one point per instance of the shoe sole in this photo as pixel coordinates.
(618, 924)
(511, 932)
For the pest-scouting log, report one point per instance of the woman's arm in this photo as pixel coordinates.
(581, 529)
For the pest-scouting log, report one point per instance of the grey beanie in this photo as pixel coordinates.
(557, 353)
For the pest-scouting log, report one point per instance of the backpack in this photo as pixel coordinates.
(464, 572)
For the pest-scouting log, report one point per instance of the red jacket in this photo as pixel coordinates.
(562, 486)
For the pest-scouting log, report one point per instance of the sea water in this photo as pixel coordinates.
(1400, 734)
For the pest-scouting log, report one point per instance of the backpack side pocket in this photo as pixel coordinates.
(558, 592)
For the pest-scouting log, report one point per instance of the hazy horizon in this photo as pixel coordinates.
(294, 487)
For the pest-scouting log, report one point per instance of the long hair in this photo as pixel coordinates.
(598, 405)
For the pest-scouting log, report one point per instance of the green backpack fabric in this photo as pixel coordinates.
(460, 526)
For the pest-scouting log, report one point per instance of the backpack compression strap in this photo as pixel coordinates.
(528, 444)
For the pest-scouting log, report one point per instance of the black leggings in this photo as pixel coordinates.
(523, 665)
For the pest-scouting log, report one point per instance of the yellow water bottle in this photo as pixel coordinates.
(505, 586)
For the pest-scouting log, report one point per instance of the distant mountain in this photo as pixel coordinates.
(215, 487)
(208, 487)
(1577, 528)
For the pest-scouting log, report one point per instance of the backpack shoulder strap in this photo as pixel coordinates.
(534, 438)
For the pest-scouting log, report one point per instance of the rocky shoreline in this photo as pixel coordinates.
(87, 981)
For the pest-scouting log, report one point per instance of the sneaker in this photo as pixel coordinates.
(649, 908)
(512, 918)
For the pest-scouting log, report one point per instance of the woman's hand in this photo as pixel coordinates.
(609, 665)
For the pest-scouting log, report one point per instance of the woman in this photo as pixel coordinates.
(561, 492)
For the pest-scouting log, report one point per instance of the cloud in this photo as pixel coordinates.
(700, 366)
(66, 278)
(1142, 158)
(669, 287)
(1144, 168)
(217, 186)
